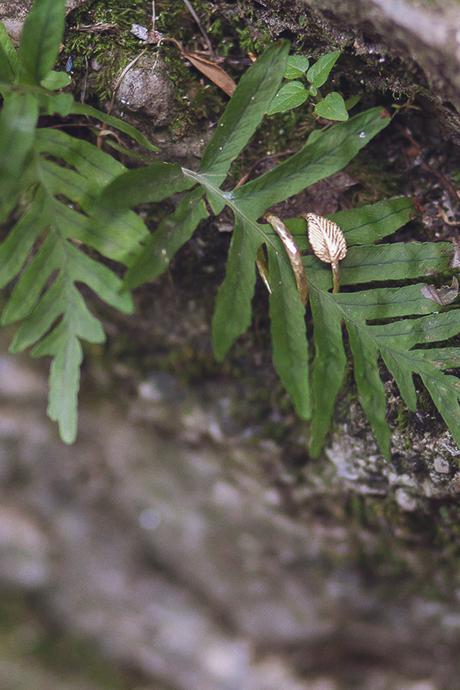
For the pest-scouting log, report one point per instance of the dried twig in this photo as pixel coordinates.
(100, 28)
(190, 8)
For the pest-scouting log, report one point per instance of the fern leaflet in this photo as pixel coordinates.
(50, 184)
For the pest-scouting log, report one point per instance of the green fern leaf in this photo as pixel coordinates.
(115, 123)
(40, 40)
(57, 180)
(61, 179)
(245, 111)
(395, 342)
(289, 337)
(63, 301)
(8, 57)
(329, 367)
(236, 292)
(233, 305)
(18, 120)
(174, 231)
(76, 200)
(64, 381)
(331, 151)
(240, 120)
(369, 384)
(152, 183)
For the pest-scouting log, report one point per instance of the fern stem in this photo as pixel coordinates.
(335, 278)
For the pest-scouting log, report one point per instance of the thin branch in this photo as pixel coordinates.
(190, 8)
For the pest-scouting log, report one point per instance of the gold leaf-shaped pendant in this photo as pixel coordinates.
(327, 242)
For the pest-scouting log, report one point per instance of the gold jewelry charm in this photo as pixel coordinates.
(327, 242)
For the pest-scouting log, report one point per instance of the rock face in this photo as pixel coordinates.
(426, 36)
(403, 47)
(190, 552)
(427, 33)
(146, 90)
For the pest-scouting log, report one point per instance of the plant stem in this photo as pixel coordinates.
(335, 278)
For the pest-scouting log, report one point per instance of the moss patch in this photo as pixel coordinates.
(99, 34)
(27, 640)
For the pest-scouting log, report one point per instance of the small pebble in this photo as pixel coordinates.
(405, 500)
(441, 465)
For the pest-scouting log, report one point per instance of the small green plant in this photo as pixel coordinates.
(62, 196)
(49, 185)
(294, 92)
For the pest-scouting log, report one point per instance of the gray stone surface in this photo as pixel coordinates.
(426, 32)
(176, 553)
(147, 91)
(407, 48)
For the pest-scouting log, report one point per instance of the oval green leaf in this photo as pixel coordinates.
(56, 80)
(291, 95)
(332, 107)
(318, 73)
(297, 65)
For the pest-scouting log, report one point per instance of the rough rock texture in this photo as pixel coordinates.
(175, 552)
(428, 34)
(147, 91)
(405, 47)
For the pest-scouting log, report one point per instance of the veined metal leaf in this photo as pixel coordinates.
(326, 239)
(328, 243)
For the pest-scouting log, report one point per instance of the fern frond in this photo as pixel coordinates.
(288, 331)
(58, 179)
(329, 152)
(59, 221)
(235, 294)
(397, 343)
(69, 206)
